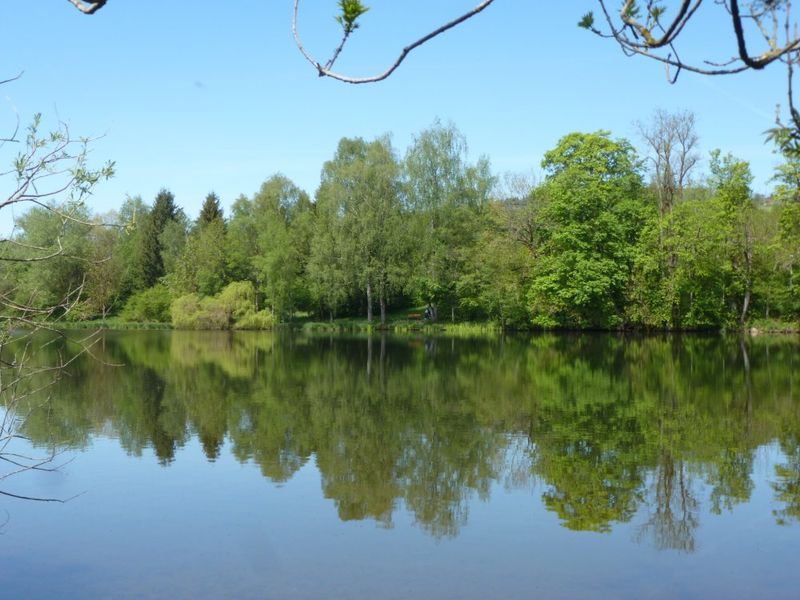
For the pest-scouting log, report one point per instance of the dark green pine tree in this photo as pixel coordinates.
(151, 265)
(211, 211)
(164, 209)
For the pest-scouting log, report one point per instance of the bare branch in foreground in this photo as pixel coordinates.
(325, 70)
(646, 30)
(50, 174)
(88, 7)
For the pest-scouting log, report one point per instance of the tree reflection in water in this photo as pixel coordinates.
(608, 429)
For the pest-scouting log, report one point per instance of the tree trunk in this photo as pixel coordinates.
(369, 302)
(748, 265)
(745, 303)
(384, 288)
(452, 314)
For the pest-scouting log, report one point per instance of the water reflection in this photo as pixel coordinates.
(603, 428)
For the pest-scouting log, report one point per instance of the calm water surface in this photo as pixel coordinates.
(214, 465)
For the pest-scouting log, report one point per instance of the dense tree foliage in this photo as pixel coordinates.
(608, 239)
(365, 221)
(447, 196)
(593, 211)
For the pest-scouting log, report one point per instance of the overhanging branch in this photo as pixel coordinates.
(88, 7)
(325, 71)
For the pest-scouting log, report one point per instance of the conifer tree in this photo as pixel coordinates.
(211, 211)
(151, 264)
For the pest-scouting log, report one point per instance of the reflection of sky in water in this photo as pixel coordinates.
(191, 527)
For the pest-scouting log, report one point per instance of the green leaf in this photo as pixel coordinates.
(350, 11)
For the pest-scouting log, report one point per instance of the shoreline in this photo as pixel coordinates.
(753, 329)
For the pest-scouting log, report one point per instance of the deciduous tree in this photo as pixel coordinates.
(593, 210)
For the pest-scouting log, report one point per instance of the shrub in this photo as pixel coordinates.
(213, 314)
(151, 305)
(193, 312)
(262, 319)
(184, 311)
(239, 298)
(233, 307)
(79, 313)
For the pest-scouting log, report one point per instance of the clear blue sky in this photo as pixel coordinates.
(199, 96)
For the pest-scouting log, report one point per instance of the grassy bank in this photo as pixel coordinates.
(760, 326)
(399, 326)
(111, 323)
(397, 322)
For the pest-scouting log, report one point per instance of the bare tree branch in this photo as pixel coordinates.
(10, 79)
(50, 174)
(324, 70)
(636, 37)
(88, 7)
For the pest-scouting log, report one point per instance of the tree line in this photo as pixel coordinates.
(607, 240)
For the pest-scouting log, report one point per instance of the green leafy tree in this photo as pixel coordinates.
(280, 253)
(105, 270)
(789, 238)
(173, 241)
(362, 241)
(730, 180)
(496, 283)
(328, 280)
(671, 144)
(770, 289)
(593, 213)
(53, 252)
(241, 241)
(446, 196)
(700, 286)
(787, 195)
(149, 306)
(132, 215)
(202, 266)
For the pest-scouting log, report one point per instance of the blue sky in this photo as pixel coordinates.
(217, 97)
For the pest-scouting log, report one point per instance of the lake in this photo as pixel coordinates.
(257, 465)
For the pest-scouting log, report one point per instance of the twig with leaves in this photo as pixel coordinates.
(351, 10)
